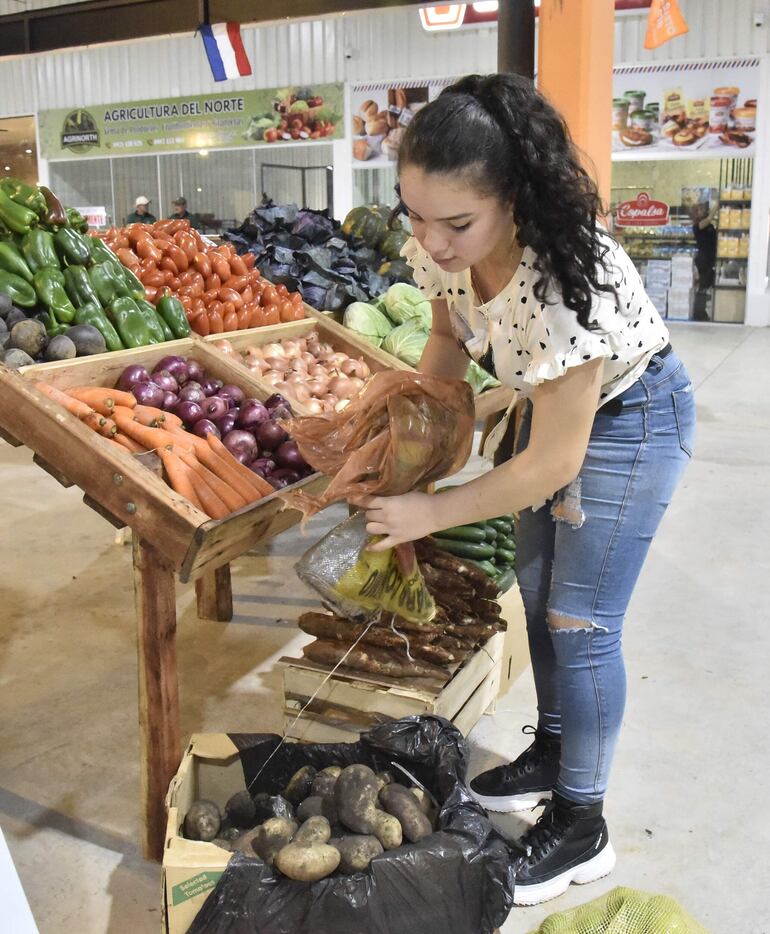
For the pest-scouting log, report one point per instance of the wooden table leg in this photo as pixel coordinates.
(155, 590)
(214, 592)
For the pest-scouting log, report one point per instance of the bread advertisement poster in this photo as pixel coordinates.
(692, 110)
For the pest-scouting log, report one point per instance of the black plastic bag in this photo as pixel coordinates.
(459, 880)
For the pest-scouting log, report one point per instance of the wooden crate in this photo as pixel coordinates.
(122, 490)
(350, 702)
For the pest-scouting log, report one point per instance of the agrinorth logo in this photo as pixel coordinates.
(79, 132)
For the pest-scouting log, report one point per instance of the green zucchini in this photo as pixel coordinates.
(505, 555)
(506, 580)
(491, 534)
(466, 549)
(486, 567)
(501, 525)
(463, 533)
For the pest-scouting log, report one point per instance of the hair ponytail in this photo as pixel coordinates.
(513, 144)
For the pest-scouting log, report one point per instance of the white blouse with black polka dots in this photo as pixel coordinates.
(528, 341)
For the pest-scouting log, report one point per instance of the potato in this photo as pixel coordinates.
(315, 830)
(272, 836)
(423, 800)
(28, 335)
(388, 830)
(315, 806)
(241, 810)
(355, 795)
(300, 784)
(401, 803)
(230, 834)
(268, 806)
(356, 852)
(222, 843)
(307, 863)
(245, 842)
(325, 780)
(384, 778)
(202, 821)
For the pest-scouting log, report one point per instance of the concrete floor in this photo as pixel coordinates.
(691, 763)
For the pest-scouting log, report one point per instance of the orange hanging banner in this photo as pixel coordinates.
(664, 22)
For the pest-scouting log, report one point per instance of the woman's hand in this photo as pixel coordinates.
(400, 519)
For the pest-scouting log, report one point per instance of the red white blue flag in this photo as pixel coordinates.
(225, 52)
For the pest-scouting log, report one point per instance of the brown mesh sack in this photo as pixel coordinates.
(402, 431)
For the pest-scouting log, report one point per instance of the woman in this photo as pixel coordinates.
(506, 245)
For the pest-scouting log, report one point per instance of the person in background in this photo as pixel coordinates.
(705, 256)
(181, 213)
(141, 213)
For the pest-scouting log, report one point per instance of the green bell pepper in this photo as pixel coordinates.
(78, 286)
(107, 282)
(159, 330)
(15, 216)
(133, 286)
(38, 249)
(76, 220)
(73, 247)
(28, 195)
(17, 289)
(49, 285)
(173, 313)
(53, 328)
(100, 252)
(92, 313)
(11, 260)
(129, 321)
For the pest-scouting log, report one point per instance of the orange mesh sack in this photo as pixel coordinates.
(401, 431)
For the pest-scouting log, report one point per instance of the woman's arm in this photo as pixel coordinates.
(442, 355)
(563, 415)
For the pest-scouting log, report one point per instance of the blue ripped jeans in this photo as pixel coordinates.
(584, 564)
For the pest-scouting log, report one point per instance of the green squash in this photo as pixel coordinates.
(396, 269)
(392, 242)
(367, 223)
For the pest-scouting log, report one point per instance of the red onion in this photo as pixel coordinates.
(226, 423)
(190, 412)
(252, 413)
(242, 455)
(165, 380)
(263, 465)
(170, 400)
(277, 483)
(281, 413)
(287, 455)
(205, 426)
(147, 393)
(232, 392)
(270, 435)
(132, 374)
(286, 473)
(272, 402)
(215, 407)
(192, 392)
(195, 371)
(211, 386)
(176, 366)
(241, 441)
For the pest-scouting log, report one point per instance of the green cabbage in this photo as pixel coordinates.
(405, 303)
(480, 379)
(407, 342)
(368, 322)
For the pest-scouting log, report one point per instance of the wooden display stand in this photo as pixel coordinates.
(170, 536)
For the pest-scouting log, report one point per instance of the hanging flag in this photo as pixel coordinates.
(664, 22)
(224, 48)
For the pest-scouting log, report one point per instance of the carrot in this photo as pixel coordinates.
(261, 486)
(104, 426)
(179, 478)
(212, 504)
(150, 438)
(232, 499)
(129, 444)
(99, 399)
(186, 439)
(150, 416)
(73, 406)
(122, 398)
(225, 472)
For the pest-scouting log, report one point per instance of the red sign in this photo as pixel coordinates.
(642, 212)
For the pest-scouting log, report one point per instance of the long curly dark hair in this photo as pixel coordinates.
(514, 145)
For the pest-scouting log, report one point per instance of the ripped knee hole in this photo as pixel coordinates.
(557, 621)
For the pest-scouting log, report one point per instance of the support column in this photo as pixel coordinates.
(575, 72)
(516, 37)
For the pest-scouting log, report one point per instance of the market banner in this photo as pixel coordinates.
(381, 111)
(705, 109)
(208, 121)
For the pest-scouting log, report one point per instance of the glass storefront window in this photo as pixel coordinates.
(18, 148)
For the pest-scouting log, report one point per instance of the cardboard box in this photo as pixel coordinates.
(211, 768)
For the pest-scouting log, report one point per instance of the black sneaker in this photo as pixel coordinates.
(523, 784)
(569, 843)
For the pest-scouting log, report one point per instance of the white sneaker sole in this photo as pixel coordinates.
(501, 804)
(598, 867)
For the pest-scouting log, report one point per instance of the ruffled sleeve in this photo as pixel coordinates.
(555, 342)
(426, 274)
